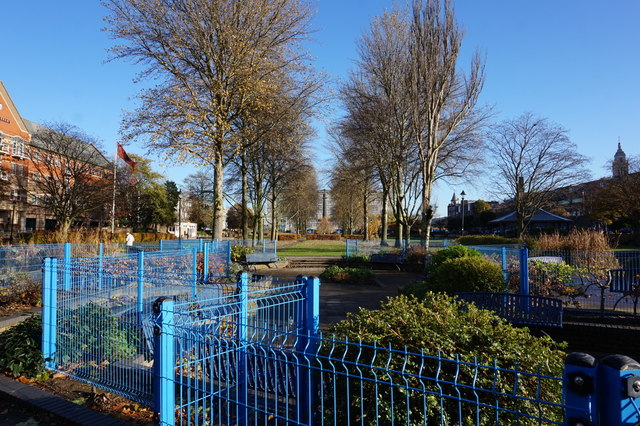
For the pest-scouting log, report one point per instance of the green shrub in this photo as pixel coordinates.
(356, 258)
(454, 252)
(21, 349)
(338, 274)
(442, 325)
(91, 333)
(239, 253)
(466, 274)
(481, 240)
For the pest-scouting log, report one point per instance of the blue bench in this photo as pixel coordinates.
(623, 279)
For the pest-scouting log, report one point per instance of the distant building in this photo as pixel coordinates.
(620, 164)
(184, 230)
(22, 160)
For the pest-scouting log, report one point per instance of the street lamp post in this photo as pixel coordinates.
(462, 194)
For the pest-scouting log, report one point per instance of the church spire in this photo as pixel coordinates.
(620, 165)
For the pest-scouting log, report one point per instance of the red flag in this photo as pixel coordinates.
(125, 157)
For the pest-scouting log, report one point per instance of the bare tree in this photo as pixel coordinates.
(408, 101)
(535, 158)
(216, 62)
(616, 201)
(300, 197)
(70, 176)
(199, 188)
(445, 120)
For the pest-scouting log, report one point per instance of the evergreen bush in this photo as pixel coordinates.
(21, 349)
(467, 274)
(442, 326)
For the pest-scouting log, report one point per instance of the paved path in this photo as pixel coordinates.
(338, 299)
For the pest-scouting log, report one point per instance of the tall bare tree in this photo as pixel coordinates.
(408, 100)
(70, 176)
(300, 197)
(535, 158)
(445, 119)
(216, 62)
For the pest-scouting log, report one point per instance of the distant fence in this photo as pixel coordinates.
(26, 261)
(374, 247)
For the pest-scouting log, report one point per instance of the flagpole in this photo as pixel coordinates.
(113, 203)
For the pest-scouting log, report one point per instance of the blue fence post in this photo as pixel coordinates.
(618, 391)
(66, 275)
(524, 271)
(228, 253)
(579, 386)
(194, 271)
(49, 311)
(525, 303)
(504, 264)
(275, 248)
(357, 247)
(444, 243)
(100, 264)
(346, 256)
(140, 284)
(205, 262)
(161, 244)
(308, 344)
(200, 244)
(243, 318)
(164, 362)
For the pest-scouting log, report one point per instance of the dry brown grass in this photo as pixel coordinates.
(590, 250)
(577, 239)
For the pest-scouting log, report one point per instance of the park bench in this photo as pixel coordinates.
(261, 258)
(390, 258)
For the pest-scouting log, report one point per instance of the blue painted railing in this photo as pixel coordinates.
(518, 308)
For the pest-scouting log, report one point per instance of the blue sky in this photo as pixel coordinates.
(574, 62)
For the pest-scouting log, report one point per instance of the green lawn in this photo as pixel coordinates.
(313, 248)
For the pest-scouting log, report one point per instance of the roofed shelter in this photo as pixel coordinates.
(541, 219)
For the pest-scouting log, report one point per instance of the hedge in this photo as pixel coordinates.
(353, 237)
(335, 237)
(288, 237)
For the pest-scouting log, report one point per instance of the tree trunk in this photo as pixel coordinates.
(245, 210)
(218, 211)
(365, 212)
(385, 226)
(274, 228)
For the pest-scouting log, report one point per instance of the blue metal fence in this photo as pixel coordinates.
(606, 280)
(93, 311)
(257, 375)
(249, 351)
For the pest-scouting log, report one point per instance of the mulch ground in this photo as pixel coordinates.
(82, 394)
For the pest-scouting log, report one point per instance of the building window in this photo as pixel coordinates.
(18, 147)
(36, 155)
(4, 144)
(18, 169)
